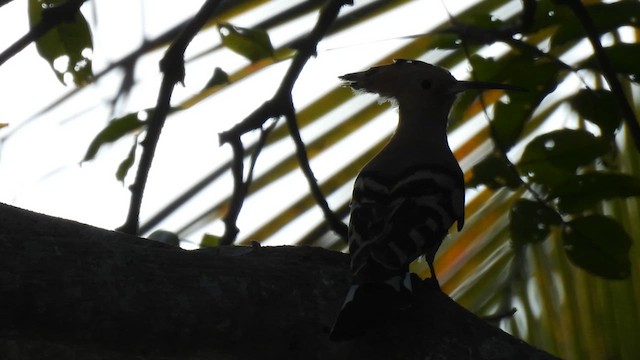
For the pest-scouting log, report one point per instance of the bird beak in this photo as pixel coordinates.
(352, 79)
(461, 86)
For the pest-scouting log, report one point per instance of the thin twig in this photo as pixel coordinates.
(334, 221)
(239, 192)
(500, 149)
(172, 66)
(506, 35)
(607, 69)
(241, 187)
(281, 105)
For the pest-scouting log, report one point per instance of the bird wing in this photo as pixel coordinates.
(394, 221)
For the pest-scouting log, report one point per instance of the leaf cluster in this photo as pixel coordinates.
(564, 173)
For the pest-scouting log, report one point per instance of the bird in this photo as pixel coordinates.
(407, 197)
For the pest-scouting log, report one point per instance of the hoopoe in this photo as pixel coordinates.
(408, 196)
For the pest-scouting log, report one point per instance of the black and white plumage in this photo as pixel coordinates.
(395, 219)
(407, 197)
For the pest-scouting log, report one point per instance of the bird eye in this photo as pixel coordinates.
(426, 84)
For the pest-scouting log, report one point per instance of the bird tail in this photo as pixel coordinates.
(370, 305)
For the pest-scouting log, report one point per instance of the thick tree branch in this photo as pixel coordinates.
(172, 66)
(73, 291)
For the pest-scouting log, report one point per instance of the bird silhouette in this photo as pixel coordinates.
(407, 197)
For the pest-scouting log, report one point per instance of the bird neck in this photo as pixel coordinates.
(420, 139)
(427, 127)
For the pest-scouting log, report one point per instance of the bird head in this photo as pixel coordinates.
(414, 83)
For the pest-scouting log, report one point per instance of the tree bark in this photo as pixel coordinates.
(72, 291)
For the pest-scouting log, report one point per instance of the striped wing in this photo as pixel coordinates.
(394, 221)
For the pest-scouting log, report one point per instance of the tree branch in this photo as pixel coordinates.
(74, 291)
(240, 186)
(172, 65)
(281, 105)
(607, 69)
(335, 223)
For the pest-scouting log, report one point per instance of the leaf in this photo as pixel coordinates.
(599, 245)
(116, 129)
(547, 15)
(530, 221)
(209, 240)
(553, 157)
(127, 163)
(599, 107)
(623, 58)
(253, 44)
(606, 17)
(494, 172)
(481, 20)
(539, 76)
(582, 192)
(219, 77)
(68, 47)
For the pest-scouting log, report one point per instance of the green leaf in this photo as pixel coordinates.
(209, 240)
(494, 172)
(552, 158)
(127, 163)
(599, 245)
(253, 44)
(582, 192)
(116, 129)
(606, 17)
(530, 221)
(481, 20)
(219, 77)
(599, 107)
(623, 58)
(539, 76)
(68, 47)
(548, 14)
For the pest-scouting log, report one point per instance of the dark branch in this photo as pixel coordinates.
(506, 34)
(281, 105)
(61, 295)
(335, 223)
(239, 193)
(489, 36)
(240, 186)
(607, 69)
(172, 65)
